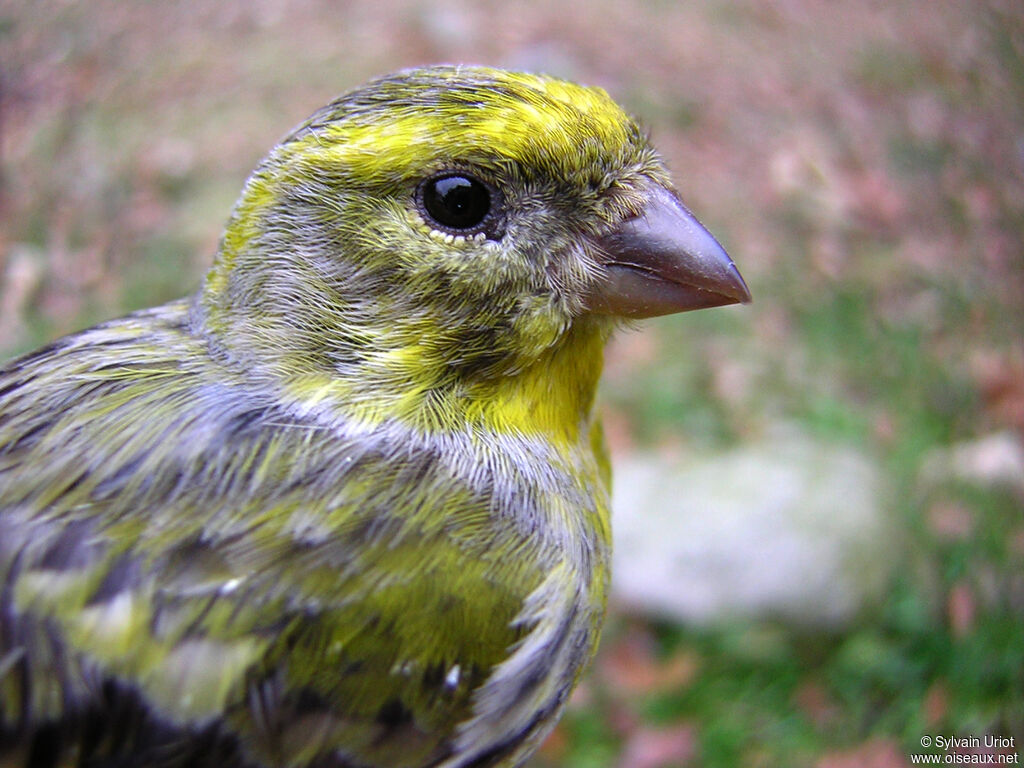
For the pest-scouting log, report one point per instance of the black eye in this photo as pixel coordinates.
(456, 202)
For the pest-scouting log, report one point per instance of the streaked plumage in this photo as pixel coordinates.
(347, 506)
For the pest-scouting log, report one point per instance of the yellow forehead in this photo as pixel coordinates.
(472, 115)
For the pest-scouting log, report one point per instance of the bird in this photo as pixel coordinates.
(347, 505)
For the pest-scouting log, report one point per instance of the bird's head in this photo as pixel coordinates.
(438, 232)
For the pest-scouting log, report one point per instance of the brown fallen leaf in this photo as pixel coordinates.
(814, 701)
(872, 754)
(659, 748)
(936, 705)
(631, 666)
(961, 608)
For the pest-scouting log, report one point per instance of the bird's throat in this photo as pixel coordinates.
(551, 398)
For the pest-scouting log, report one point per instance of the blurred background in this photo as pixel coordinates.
(820, 504)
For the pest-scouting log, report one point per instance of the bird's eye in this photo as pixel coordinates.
(457, 202)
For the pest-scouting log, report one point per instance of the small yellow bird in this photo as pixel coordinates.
(347, 505)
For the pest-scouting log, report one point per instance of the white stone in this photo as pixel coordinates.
(793, 528)
(995, 459)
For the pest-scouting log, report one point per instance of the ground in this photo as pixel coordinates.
(862, 161)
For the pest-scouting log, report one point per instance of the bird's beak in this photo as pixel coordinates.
(663, 261)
